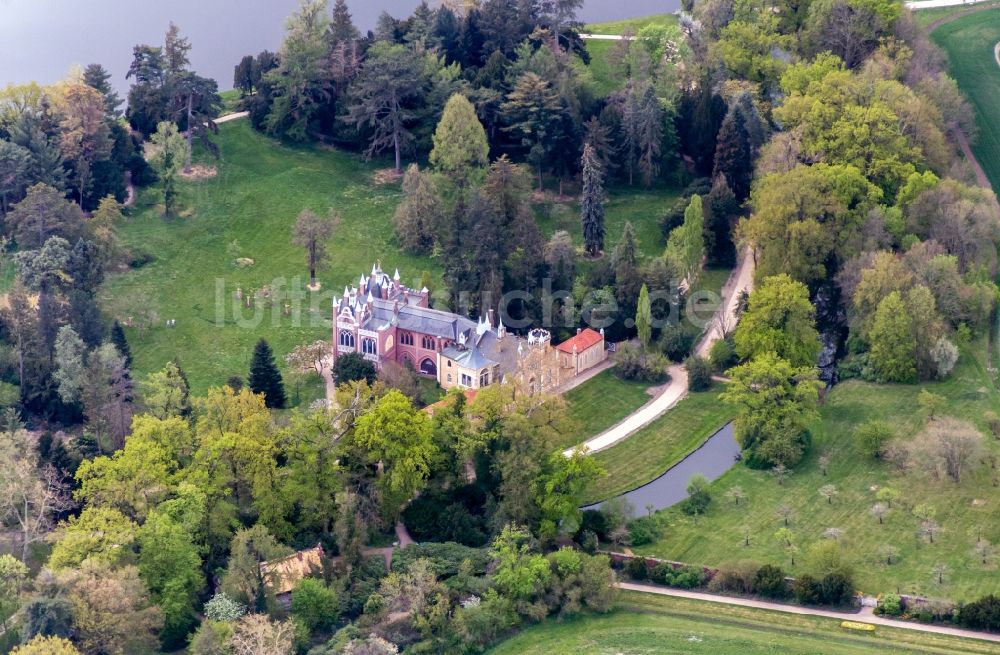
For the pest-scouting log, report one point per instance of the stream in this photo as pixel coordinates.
(718, 454)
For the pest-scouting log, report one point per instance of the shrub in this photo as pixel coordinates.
(699, 373)
(735, 577)
(675, 342)
(452, 516)
(891, 605)
(722, 355)
(688, 577)
(314, 604)
(836, 588)
(698, 498)
(445, 559)
(636, 569)
(633, 363)
(223, 608)
(983, 614)
(871, 438)
(644, 530)
(353, 366)
(588, 541)
(806, 590)
(770, 581)
(596, 521)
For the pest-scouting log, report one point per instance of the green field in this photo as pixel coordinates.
(630, 24)
(969, 43)
(962, 509)
(645, 624)
(602, 401)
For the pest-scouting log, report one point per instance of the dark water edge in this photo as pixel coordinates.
(41, 39)
(718, 454)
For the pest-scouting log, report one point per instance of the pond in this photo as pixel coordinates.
(718, 454)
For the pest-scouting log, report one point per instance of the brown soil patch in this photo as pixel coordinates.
(200, 172)
(978, 502)
(386, 176)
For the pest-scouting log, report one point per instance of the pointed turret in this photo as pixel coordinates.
(396, 275)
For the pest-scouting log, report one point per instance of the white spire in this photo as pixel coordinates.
(374, 268)
(346, 292)
(371, 298)
(396, 275)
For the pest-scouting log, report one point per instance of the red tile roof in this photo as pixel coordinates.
(585, 340)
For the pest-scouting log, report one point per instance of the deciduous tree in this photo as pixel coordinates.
(312, 232)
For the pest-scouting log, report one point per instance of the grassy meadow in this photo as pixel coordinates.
(602, 401)
(965, 511)
(643, 623)
(969, 43)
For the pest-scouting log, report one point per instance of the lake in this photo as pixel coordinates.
(41, 39)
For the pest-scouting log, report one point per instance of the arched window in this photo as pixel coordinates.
(368, 346)
(346, 338)
(484, 378)
(429, 343)
(428, 367)
(406, 338)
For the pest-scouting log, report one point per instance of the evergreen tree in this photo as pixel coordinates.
(460, 145)
(342, 29)
(592, 203)
(741, 135)
(627, 280)
(686, 244)
(265, 377)
(96, 77)
(650, 131)
(644, 318)
(120, 343)
(532, 112)
(721, 208)
(419, 214)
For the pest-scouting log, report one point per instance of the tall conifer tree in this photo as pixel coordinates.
(265, 377)
(121, 343)
(592, 203)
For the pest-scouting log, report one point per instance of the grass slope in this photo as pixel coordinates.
(717, 537)
(630, 24)
(652, 450)
(969, 42)
(643, 623)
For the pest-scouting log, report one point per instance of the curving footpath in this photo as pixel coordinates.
(797, 609)
(739, 281)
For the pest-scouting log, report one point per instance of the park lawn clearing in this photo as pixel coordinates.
(247, 211)
(630, 24)
(601, 402)
(964, 510)
(645, 624)
(969, 42)
(648, 453)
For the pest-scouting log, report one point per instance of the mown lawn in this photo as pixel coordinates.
(630, 24)
(602, 401)
(961, 509)
(652, 450)
(643, 623)
(969, 42)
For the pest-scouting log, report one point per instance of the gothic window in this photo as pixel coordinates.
(346, 338)
(484, 379)
(406, 338)
(428, 367)
(368, 346)
(428, 343)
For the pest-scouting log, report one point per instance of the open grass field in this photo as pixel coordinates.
(630, 24)
(602, 401)
(247, 211)
(963, 510)
(643, 624)
(969, 43)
